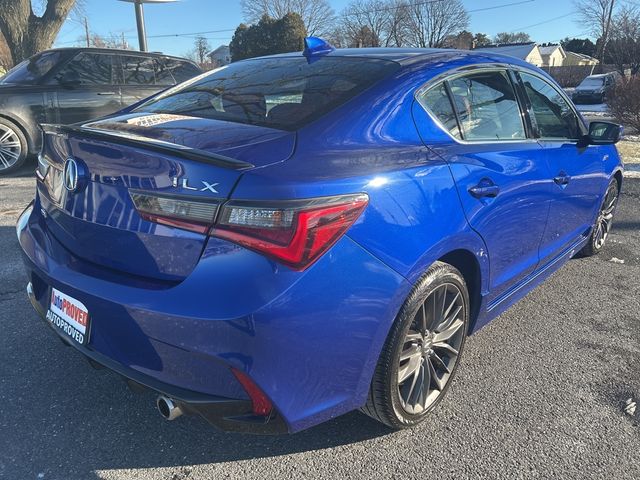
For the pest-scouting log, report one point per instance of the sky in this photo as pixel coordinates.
(171, 27)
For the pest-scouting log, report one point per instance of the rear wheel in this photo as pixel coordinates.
(422, 351)
(13, 147)
(602, 227)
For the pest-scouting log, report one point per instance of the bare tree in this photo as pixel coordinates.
(317, 15)
(596, 15)
(623, 49)
(431, 23)
(200, 48)
(385, 19)
(5, 56)
(510, 37)
(27, 33)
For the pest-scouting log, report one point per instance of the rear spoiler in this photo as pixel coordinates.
(149, 144)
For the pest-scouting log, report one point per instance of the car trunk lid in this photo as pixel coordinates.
(121, 160)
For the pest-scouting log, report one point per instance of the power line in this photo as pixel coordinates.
(500, 6)
(520, 29)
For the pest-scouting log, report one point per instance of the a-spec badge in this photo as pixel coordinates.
(184, 183)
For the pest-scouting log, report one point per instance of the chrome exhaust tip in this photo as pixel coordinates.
(168, 408)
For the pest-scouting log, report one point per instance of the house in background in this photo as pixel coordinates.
(579, 59)
(553, 55)
(529, 52)
(220, 56)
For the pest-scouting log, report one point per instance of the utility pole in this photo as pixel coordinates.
(124, 42)
(86, 31)
(139, 9)
(605, 35)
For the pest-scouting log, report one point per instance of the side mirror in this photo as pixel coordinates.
(604, 133)
(69, 79)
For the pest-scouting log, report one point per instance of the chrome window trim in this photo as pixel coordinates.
(492, 67)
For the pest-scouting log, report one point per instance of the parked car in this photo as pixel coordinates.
(294, 237)
(594, 89)
(70, 85)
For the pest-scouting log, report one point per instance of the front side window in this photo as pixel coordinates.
(486, 106)
(284, 92)
(552, 115)
(88, 69)
(436, 100)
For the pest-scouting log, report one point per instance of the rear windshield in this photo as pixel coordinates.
(283, 93)
(592, 82)
(33, 69)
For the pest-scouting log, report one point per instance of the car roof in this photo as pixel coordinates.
(114, 50)
(406, 56)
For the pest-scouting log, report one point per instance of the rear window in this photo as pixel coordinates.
(33, 69)
(592, 82)
(283, 93)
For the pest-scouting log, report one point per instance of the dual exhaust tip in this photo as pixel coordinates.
(169, 409)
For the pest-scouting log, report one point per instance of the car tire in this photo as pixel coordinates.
(13, 147)
(437, 307)
(602, 226)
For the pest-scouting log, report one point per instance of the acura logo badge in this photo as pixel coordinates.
(70, 175)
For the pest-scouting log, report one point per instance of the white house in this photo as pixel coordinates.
(529, 52)
(220, 56)
(553, 56)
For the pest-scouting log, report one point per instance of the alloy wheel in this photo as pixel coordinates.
(431, 348)
(605, 217)
(10, 147)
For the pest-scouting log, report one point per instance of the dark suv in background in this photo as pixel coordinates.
(72, 85)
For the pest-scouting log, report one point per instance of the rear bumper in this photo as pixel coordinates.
(228, 414)
(309, 340)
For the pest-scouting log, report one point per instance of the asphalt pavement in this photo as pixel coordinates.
(541, 393)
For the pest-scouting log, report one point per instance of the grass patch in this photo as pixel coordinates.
(629, 150)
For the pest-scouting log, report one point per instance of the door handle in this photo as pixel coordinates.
(485, 189)
(106, 93)
(562, 179)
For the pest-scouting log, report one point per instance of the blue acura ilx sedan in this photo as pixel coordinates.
(289, 238)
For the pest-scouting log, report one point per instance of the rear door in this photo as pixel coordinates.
(86, 89)
(501, 173)
(577, 171)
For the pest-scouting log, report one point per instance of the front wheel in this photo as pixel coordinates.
(422, 351)
(602, 227)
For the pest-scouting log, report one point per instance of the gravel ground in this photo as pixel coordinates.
(540, 394)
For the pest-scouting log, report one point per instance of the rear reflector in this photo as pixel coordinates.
(197, 216)
(260, 404)
(295, 233)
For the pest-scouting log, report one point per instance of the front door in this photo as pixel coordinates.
(577, 171)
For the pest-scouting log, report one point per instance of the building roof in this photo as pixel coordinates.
(518, 50)
(221, 49)
(582, 56)
(545, 51)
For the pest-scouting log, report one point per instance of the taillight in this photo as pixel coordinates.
(194, 215)
(295, 233)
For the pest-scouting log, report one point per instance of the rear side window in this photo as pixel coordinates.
(552, 115)
(89, 69)
(170, 71)
(436, 100)
(284, 92)
(138, 70)
(486, 106)
(33, 69)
